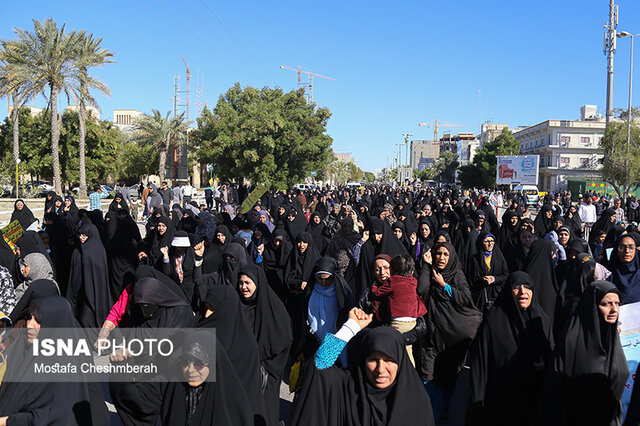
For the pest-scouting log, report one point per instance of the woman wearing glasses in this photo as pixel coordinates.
(624, 265)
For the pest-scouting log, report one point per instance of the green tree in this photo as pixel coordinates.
(104, 145)
(264, 135)
(621, 162)
(369, 177)
(160, 132)
(444, 168)
(16, 84)
(137, 161)
(88, 54)
(46, 56)
(482, 171)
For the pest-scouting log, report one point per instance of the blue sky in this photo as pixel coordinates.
(395, 63)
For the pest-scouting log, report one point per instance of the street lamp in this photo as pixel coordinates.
(620, 35)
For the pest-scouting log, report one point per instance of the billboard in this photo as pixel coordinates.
(517, 170)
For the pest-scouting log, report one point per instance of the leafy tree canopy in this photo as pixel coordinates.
(266, 135)
(482, 171)
(621, 163)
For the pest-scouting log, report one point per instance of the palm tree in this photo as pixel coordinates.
(15, 82)
(88, 54)
(48, 55)
(160, 132)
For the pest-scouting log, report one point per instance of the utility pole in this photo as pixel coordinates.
(407, 164)
(609, 51)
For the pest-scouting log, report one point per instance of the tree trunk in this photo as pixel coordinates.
(15, 118)
(162, 163)
(82, 132)
(55, 139)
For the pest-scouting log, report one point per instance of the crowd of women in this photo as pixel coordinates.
(377, 306)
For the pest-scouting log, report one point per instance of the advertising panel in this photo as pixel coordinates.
(517, 170)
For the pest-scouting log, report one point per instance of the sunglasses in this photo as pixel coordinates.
(518, 286)
(197, 364)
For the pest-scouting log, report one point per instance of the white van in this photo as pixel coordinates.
(305, 186)
(530, 193)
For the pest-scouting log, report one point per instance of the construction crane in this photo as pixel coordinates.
(435, 126)
(308, 86)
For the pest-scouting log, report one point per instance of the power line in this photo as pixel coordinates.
(238, 41)
(221, 42)
(202, 41)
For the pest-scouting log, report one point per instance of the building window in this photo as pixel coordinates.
(565, 140)
(585, 140)
(584, 161)
(564, 160)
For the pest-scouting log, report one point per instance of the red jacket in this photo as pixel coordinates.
(403, 298)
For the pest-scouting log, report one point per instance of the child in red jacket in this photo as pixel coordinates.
(404, 303)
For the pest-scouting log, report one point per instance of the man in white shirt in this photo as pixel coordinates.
(187, 192)
(587, 212)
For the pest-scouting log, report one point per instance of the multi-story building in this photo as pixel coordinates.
(423, 154)
(467, 150)
(345, 157)
(125, 118)
(91, 110)
(33, 110)
(489, 131)
(450, 142)
(568, 149)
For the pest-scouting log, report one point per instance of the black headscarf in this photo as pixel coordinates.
(484, 294)
(507, 230)
(589, 369)
(237, 338)
(36, 290)
(88, 290)
(213, 256)
(234, 259)
(509, 343)
(452, 321)
(305, 342)
(25, 217)
(272, 328)
(465, 241)
(388, 245)
(30, 242)
(540, 267)
(274, 261)
(625, 275)
(157, 241)
(220, 401)
(65, 403)
(603, 224)
(318, 232)
(269, 318)
(543, 224)
(340, 397)
(300, 265)
(115, 206)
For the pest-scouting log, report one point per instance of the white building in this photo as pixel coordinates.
(90, 110)
(125, 118)
(489, 131)
(345, 157)
(467, 150)
(567, 149)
